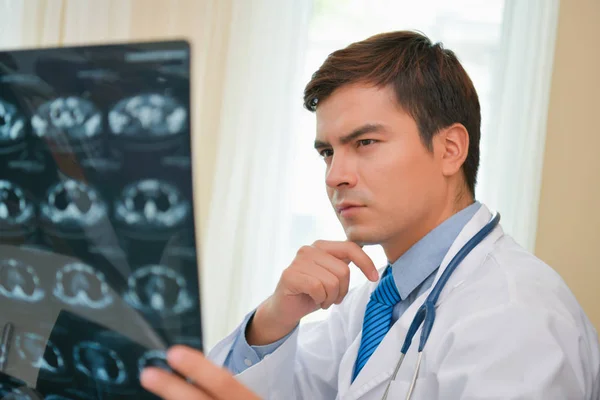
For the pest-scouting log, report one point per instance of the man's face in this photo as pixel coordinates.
(382, 181)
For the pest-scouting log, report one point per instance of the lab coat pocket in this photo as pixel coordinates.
(426, 388)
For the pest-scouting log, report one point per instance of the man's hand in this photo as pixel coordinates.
(318, 277)
(210, 382)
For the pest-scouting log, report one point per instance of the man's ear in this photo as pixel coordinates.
(453, 143)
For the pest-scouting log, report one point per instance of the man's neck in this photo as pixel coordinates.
(395, 248)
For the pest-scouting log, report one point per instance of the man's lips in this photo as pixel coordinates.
(345, 208)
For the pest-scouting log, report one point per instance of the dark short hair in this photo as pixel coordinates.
(429, 81)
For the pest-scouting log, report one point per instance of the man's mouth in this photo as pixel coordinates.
(346, 209)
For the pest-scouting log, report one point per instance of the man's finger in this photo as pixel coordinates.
(170, 387)
(338, 268)
(329, 280)
(313, 287)
(350, 252)
(217, 382)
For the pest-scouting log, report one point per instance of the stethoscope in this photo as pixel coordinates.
(426, 313)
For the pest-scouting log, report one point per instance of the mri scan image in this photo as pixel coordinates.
(40, 353)
(19, 281)
(17, 212)
(23, 393)
(71, 204)
(80, 284)
(158, 289)
(98, 260)
(71, 395)
(9, 386)
(67, 118)
(57, 397)
(147, 116)
(150, 205)
(154, 358)
(12, 124)
(99, 363)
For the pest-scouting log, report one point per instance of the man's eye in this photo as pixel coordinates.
(326, 153)
(366, 142)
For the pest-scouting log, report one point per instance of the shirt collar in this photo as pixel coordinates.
(425, 256)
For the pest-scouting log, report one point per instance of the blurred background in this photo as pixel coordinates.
(259, 184)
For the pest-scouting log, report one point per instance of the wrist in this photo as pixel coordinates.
(265, 327)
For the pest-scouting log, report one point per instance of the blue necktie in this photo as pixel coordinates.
(378, 318)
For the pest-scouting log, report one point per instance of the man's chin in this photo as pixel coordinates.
(361, 238)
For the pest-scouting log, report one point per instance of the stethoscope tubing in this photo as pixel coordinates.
(425, 315)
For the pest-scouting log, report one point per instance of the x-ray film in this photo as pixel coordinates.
(98, 259)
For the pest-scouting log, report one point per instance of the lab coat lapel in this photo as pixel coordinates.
(381, 365)
(347, 367)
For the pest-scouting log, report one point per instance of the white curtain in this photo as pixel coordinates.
(248, 211)
(513, 145)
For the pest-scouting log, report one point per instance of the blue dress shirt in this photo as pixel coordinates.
(414, 273)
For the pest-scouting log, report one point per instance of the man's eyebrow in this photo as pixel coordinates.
(363, 130)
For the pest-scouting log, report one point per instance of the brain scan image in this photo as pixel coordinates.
(159, 289)
(77, 396)
(70, 395)
(152, 204)
(73, 204)
(154, 358)
(99, 363)
(67, 118)
(17, 394)
(32, 348)
(81, 285)
(19, 281)
(16, 210)
(99, 269)
(12, 124)
(15, 389)
(147, 116)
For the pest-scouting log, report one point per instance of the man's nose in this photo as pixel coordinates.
(341, 171)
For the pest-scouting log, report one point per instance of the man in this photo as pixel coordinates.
(398, 127)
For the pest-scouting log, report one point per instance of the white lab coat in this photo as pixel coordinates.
(507, 327)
